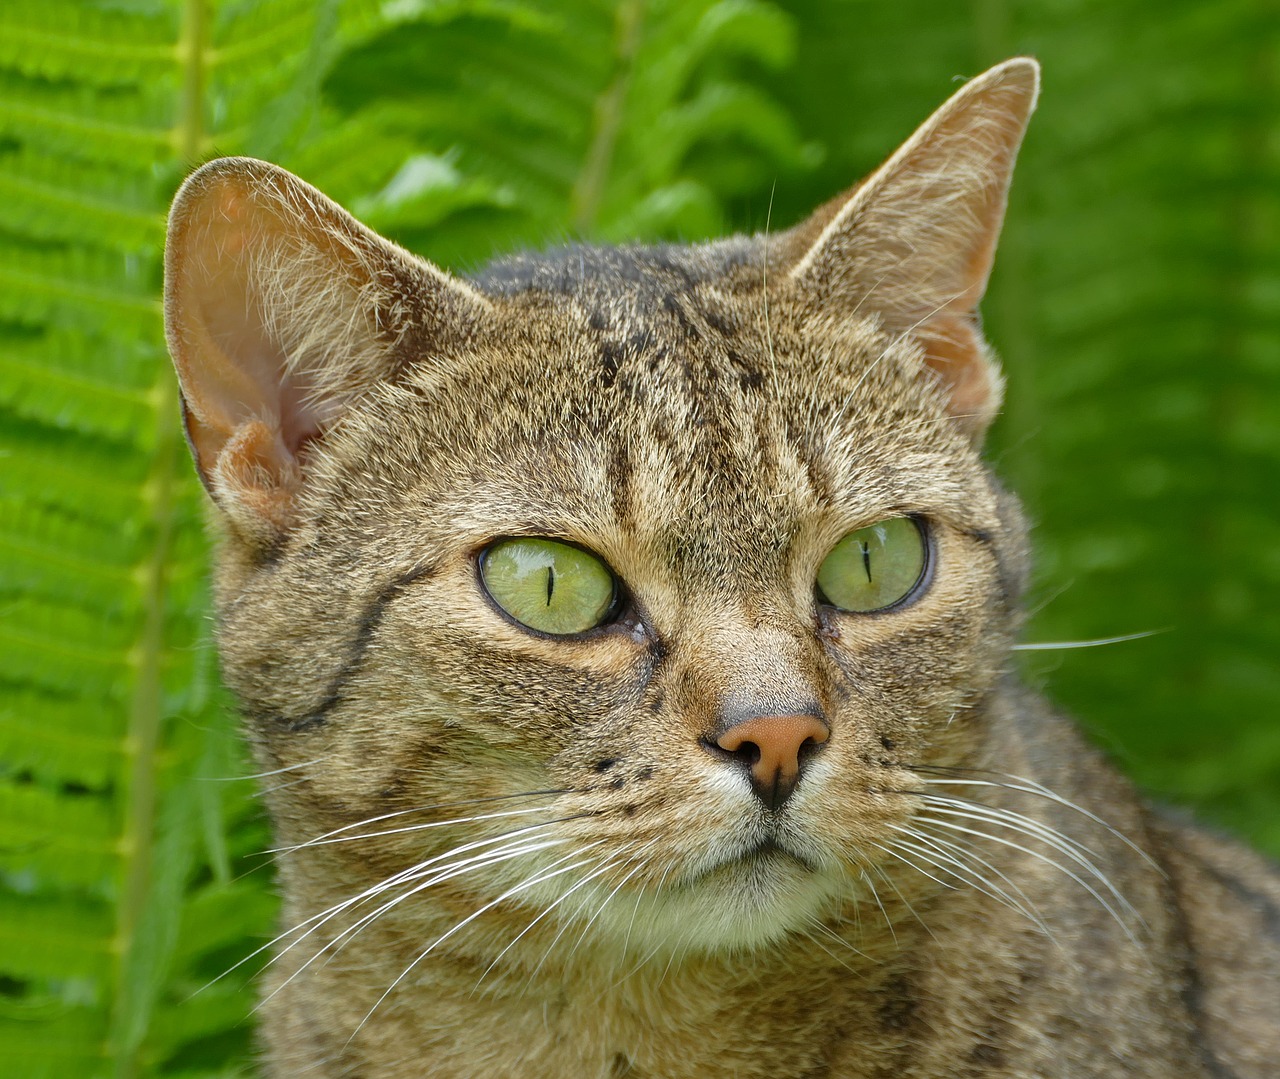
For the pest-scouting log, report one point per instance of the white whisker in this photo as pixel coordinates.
(522, 886)
(605, 902)
(483, 861)
(371, 892)
(539, 918)
(966, 855)
(1030, 786)
(876, 896)
(933, 854)
(569, 921)
(405, 812)
(425, 826)
(828, 931)
(1097, 642)
(264, 775)
(1101, 878)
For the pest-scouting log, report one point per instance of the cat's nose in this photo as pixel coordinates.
(774, 749)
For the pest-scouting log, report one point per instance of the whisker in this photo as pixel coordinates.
(1097, 642)
(963, 851)
(1030, 786)
(522, 886)
(264, 775)
(564, 928)
(635, 910)
(828, 931)
(439, 876)
(539, 918)
(373, 891)
(600, 909)
(894, 342)
(280, 787)
(426, 825)
(945, 863)
(876, 896)
(764, 292)
(894, 852)
(657, 891)
(418, 809)
(1101, 878)
(835, 958)
(334, 946)
(905, 902)
(1026, 824)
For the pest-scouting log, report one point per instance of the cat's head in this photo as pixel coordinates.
(658, 569)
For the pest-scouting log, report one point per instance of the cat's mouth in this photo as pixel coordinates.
(767, 852)
(770, 850)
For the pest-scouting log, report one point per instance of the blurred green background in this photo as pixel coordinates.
(1136, 305)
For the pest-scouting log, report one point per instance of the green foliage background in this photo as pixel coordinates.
(1136, 304)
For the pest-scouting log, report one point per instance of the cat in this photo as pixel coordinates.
(627, 633)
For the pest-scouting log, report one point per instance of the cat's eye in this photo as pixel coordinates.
(549, 586)
(876, 567)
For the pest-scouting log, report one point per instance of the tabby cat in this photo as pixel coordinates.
(626, 634)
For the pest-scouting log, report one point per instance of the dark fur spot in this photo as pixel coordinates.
(987, 1055)
(619, 474)
(672, 305)
(611, 356)
(899, 1011)
(630, 810)
(721, 323)
(750, 377)
(645, 773)
(887, 742)
(617, 784)
(598, 320)
(605, 764)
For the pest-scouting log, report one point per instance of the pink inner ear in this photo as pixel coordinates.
(954, 350)
(239, 373)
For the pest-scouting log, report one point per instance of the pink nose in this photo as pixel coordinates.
(774, 748)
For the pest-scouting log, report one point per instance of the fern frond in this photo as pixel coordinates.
(86, 43)
(602, 119)
(114, 210)
(109, 838)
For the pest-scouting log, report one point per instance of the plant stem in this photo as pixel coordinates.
(146, 709)
(588, 192)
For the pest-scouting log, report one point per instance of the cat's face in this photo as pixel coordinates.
(701, 739)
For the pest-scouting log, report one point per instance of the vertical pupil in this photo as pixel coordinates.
(866, 558)
(551, 583)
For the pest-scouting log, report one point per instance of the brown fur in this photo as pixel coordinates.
(710, 420)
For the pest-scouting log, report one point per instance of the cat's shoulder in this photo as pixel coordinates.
(1228, 900)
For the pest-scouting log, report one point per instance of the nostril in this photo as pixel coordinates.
(747, 753)
(773, 750)
(810, 746)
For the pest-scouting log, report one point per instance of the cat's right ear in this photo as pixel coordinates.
(281, 310)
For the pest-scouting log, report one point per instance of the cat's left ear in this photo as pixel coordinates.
(914, 242)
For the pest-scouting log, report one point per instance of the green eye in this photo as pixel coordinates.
(875, 567)
(548, 586)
